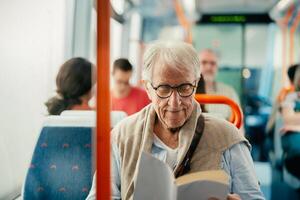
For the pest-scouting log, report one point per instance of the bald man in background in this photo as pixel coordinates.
(209, 69)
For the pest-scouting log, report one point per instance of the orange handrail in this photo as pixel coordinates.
(236, 116)
(103, 101)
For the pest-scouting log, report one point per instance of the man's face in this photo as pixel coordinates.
(173, 111)
(121, 81)
(209, 65)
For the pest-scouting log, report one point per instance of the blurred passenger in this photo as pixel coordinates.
(166, 128)
(290, 109)
(74, 83)
(209, 69)
(125, 97)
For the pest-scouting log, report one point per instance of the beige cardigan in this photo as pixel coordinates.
(135, 134)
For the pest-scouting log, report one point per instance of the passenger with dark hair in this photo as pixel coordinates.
(125, 97)
(74, 83)
(290, 110)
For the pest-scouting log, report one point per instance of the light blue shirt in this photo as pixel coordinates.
(236, 161)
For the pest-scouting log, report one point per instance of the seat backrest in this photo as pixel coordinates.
(61, 165)
(115, 116)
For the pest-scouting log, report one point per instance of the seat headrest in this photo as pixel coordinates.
(91, 113)
(70, 121)
(72, 118)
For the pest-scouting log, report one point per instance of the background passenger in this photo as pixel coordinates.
(125, 97)
(290, 110)
(209, 69)
(74, 83)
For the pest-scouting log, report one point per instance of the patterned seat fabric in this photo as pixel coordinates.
(61, 166)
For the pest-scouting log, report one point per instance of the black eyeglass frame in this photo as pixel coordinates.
(173, 88)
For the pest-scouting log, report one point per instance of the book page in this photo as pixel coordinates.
(213, 175)
(203, 190)
(155, 180)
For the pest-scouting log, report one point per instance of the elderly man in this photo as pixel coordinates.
(167, 127)
(209, 69)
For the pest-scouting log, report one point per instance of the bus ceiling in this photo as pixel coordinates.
(206, 11)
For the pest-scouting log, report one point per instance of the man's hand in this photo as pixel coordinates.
(233, 197)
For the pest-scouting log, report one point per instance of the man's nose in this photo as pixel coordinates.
(174, 99)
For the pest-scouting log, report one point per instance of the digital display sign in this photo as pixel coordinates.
(235, 18)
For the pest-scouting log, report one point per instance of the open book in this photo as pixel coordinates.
(155, 181)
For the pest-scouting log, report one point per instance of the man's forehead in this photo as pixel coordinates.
(170, 74)
(122, 74)
(207, 55)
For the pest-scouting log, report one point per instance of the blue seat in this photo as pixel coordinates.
(61, 165)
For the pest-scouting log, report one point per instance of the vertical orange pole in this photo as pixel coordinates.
(284, 67)
(183, 21)
(284, 28)
(292, 36)
(103, 101)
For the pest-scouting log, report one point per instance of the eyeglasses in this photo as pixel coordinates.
(165, 91)
(205, 62)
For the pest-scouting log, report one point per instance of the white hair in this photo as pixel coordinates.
(177, 54)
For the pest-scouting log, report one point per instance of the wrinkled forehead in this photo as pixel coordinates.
(172, 74)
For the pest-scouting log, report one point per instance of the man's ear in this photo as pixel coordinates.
(146, 86)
